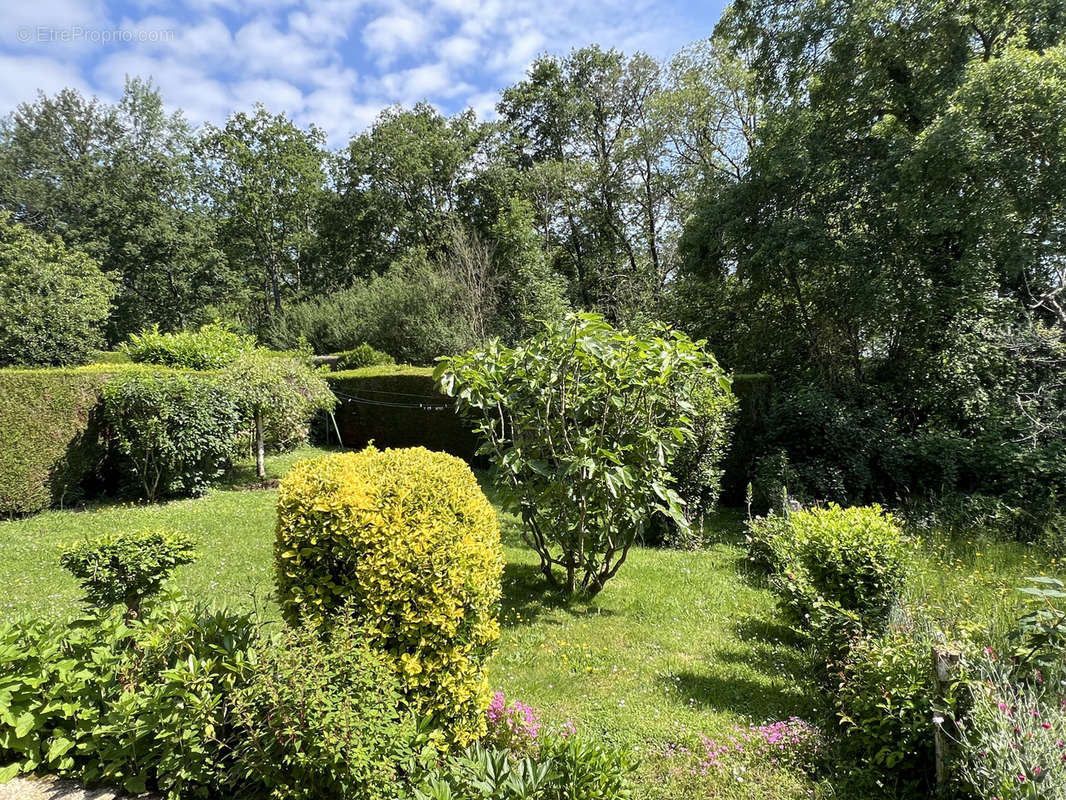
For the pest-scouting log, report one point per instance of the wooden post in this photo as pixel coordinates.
(945, 732)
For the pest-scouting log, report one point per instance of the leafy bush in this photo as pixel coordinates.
(176, 432)
(581, 423)
(696, 467)
(408, 537)
(321, 719)
(126, 568)
(853, 558)
(213, 346)
(363, 356)
(279, 395)
(53, 301)
(135, 703)
(413, 311)
(766, 540)
(885, 701)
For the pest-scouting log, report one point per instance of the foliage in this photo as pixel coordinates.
(126, 702)
(696, 467)
(263, 175)
(413, 311)
(126, 568)
(363, 356)
(175, 432)
(851, 558)
(1039, 642)
(278, 395)
(766, 539)
(1011, 741)
(118, 182)
(54, 301)
(213, 346)
(565, 768)
(885, 701)
(409, 539)
(581, 423)
(320, 717)
(50, 442)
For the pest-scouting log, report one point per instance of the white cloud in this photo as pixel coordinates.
(458, 49)
(395, 33)
(21, 77)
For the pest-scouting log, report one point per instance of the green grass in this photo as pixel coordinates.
(678, 644)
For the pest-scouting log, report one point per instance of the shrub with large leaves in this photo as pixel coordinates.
(581, 423)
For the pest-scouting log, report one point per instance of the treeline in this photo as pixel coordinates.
(864, 199)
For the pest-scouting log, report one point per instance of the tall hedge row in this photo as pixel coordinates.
(49, 433)
(397, 406)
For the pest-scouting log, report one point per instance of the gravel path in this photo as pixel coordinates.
(29, 788)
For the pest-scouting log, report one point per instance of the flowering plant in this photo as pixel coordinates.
(516, 727)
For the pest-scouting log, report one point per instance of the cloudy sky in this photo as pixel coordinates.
(332, 62)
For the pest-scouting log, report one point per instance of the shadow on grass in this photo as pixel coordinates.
(754, 699)
(766, 631)
(527, 596)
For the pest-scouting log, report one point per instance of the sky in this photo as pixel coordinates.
(334, 63)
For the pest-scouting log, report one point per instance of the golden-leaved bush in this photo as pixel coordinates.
(410, 539)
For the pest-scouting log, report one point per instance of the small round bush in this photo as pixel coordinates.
(126, 568)
(363, 356)
(408, 537)
(853, 558)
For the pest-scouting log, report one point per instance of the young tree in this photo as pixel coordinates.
(581, 423)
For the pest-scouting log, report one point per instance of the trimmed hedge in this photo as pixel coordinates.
(397, 406)
(49, 433)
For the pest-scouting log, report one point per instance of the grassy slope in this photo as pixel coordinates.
(679, 644)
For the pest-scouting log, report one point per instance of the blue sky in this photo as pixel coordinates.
(332, 62)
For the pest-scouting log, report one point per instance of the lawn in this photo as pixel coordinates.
(679, 644)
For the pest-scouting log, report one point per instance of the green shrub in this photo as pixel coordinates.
(885, 701)
(125, 568)
(398, 407)
(50, 436)
(135, 703)
(696, 467)
(850, 557)
(581, 423)
(410, 539)
(363, 356)
(415, 311)
(213, 346)
(321, 719)
(766, 540)
(175, 432)
(53, 301)
(278, 395)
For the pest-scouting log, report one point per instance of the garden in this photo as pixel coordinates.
(693, 429)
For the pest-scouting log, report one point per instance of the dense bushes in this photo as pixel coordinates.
(53, 301)
(320, 718)
(175, 432)
(211, 347)
(410, 540)
(581, 423)
(414, 312)
(363, 356)
(50, 436)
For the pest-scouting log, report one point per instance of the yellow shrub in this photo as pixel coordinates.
(409, 538)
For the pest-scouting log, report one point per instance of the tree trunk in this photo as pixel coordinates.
(260, 446)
